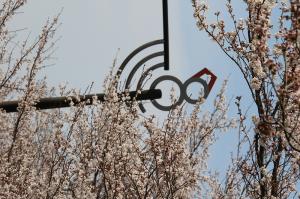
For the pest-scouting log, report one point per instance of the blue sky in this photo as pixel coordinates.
(92, 31)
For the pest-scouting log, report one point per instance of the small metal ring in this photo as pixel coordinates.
(193, 80)
(170, 78)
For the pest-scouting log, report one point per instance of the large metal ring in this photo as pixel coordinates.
(180, 85)
(193, 80)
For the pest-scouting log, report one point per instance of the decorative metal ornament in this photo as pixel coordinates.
(207, 87)
(151, 94)
(165, 53)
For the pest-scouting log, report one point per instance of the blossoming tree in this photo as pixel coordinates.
(106, 150)
(268, 57)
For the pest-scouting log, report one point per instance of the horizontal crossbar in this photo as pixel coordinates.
(62, 102)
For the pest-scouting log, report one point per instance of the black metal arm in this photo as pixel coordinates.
(61, 102)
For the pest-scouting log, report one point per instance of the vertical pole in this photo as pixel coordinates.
(166, 34)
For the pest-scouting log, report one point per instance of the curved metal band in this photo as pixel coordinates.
(135, 52)
(142, 79)
(146, 73)
(139, 64)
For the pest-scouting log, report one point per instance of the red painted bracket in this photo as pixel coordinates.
(213, 77)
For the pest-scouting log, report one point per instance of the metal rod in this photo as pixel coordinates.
(62, 102)
(166, 34)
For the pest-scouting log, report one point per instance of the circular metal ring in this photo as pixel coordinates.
(193, 80)
(170, 78)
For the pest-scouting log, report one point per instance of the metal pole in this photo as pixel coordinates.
(61, 102)
(166, 33)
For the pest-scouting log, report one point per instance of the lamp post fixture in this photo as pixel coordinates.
(151, 94)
